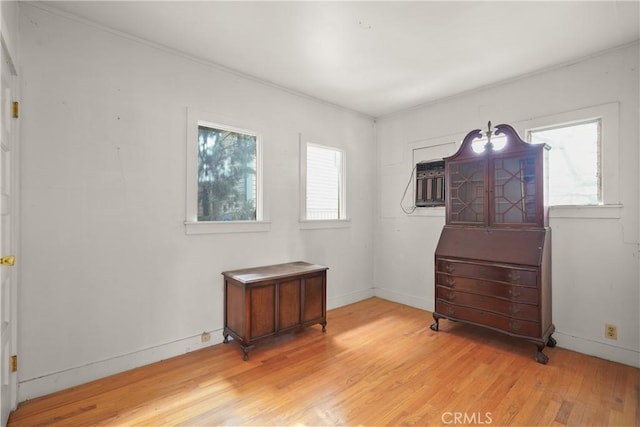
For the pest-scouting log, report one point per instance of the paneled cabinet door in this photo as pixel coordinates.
(467, 192)
(289, 304)
(515, 189)
(262, 311)
(314, 298)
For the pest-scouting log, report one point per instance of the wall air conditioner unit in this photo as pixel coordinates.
(430, 183)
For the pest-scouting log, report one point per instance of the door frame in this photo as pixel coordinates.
(7, 59)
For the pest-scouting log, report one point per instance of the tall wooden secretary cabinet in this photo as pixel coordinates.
(493, 259)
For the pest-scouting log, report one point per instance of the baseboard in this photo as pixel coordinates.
(56, 381)
(569, 342)
(410, 300)
(339, 301)
(598, 349)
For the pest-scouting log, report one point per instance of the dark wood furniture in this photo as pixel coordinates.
(265, 301)
(493, 259)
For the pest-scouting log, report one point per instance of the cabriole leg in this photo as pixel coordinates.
(540, 356)
(434, 326)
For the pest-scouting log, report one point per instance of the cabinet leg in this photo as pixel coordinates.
(540, 356)
(435, 325)
(551, 342)
(226, 338)
(245, 351)
(324, 326)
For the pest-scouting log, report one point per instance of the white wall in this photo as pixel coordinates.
(595, 260)
(109, 279)
(9, 27)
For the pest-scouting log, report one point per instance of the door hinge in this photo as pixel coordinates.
(15, 109)
(13, 363)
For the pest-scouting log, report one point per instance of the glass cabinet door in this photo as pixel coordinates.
(467, 192)
(514, 191)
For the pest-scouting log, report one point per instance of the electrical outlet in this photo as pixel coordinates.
(205, 337)
(611, 331)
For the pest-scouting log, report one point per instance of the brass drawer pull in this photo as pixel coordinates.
(514, 309)
(516, 326)
(481, 283)
(449, 268)
(450, 281)
(451, 311)
(451, 296)
(514, 277)
(514, 293)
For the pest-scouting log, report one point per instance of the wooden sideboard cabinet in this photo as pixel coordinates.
(493, 259)
(265, 301)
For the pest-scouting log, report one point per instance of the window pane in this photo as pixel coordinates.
(227, 187)
(324, 168)
(574, 162)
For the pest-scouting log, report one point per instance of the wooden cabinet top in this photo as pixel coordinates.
(272, 272)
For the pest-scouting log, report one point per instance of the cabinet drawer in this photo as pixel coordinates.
(484, 302)
(481, 317)
(483, 287)
(507, 274)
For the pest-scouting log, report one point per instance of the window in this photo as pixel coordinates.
(227, 170)
(224, 175)
(574, 162)
(324, 197)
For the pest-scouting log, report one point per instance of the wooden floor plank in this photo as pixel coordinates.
(377, 364)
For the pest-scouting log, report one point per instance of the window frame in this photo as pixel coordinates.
(608, 114)
(598, 122)
(343, 220)
(195, 119)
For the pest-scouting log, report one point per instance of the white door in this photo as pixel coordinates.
(8, 294)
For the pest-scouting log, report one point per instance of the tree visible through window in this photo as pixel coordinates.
(227, 185)
(574, 162)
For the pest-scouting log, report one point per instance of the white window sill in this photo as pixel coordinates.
(437, 211)
(317, 224)
(211, 227)
(568, 211)
(588, 212)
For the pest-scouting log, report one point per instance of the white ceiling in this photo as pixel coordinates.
(375, 57)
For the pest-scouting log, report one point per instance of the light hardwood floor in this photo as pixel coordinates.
(377, 364)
